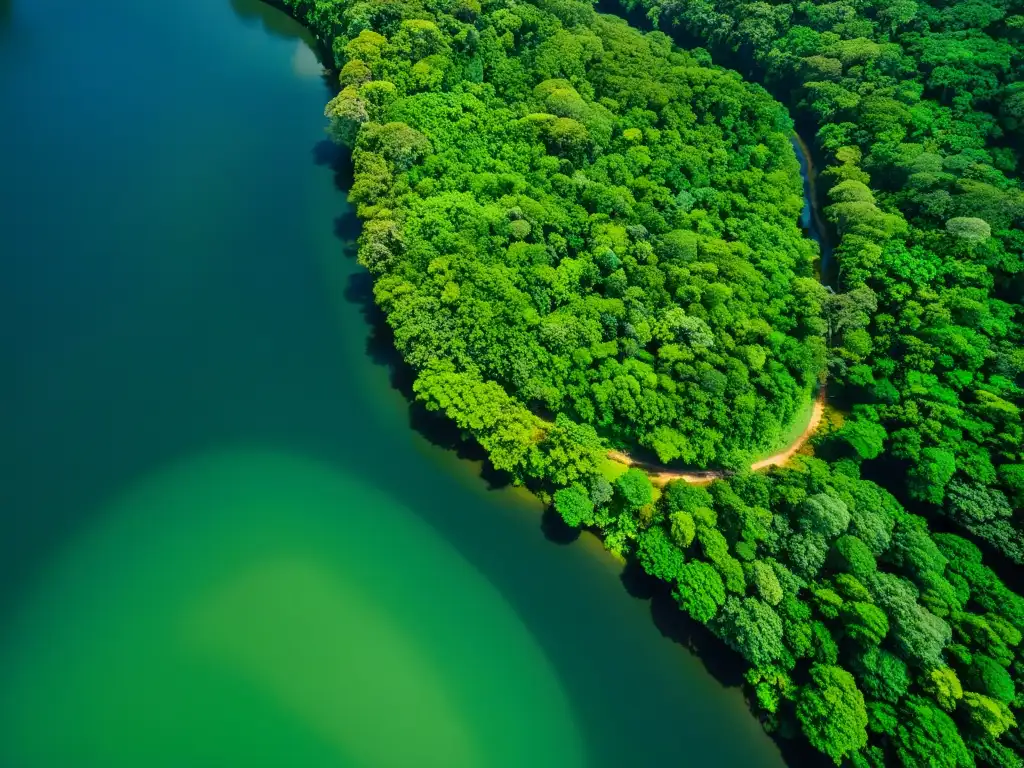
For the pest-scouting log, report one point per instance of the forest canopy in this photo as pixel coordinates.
(919, 111)
(600, 224)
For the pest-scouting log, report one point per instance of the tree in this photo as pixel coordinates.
(927, 480)
(682, 529)
(824, 515)
(568, 452)
(612, 257)
(831, 712)
(574, 506)
(927, 736)
(913, 548)
(883, 675)
(634, 488)
(944, 685)
(852, 555)
(986, 676)
(752, 628)
(969, 229)
(680, 496)
(658, 555)
(766, 582)
(865, 623)
(699, 591)
(867, 438)
(987, 716)
(807, 553)
(919, 634)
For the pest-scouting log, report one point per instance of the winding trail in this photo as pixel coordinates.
(661, 474)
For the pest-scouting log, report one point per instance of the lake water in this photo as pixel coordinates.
(222, 541)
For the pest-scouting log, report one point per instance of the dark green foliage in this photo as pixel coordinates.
(790, 612)
(882, 675)
(986, 676)
(865, 623)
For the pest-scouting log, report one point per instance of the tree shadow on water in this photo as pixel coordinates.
(435, 427)
(722, 662)
(327, 154)
(555, 529)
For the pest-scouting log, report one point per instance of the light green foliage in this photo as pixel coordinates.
(683, 529)
(990, 717)
(574, 505)
(771, 685)
(969, 229)
(592, 250)
(634, 489)
(943, 684)
(507, 432)
(831, 712)
(659, 556)
(867, 438)
(716, 550)
(700, 591)
(766, 583)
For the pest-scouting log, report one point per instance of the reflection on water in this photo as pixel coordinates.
(305, 62)
(272, 20)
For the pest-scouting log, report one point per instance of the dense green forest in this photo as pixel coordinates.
(624, 255)
(583, 237)
(920, 115)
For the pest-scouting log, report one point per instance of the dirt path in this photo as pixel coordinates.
(660, 474)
